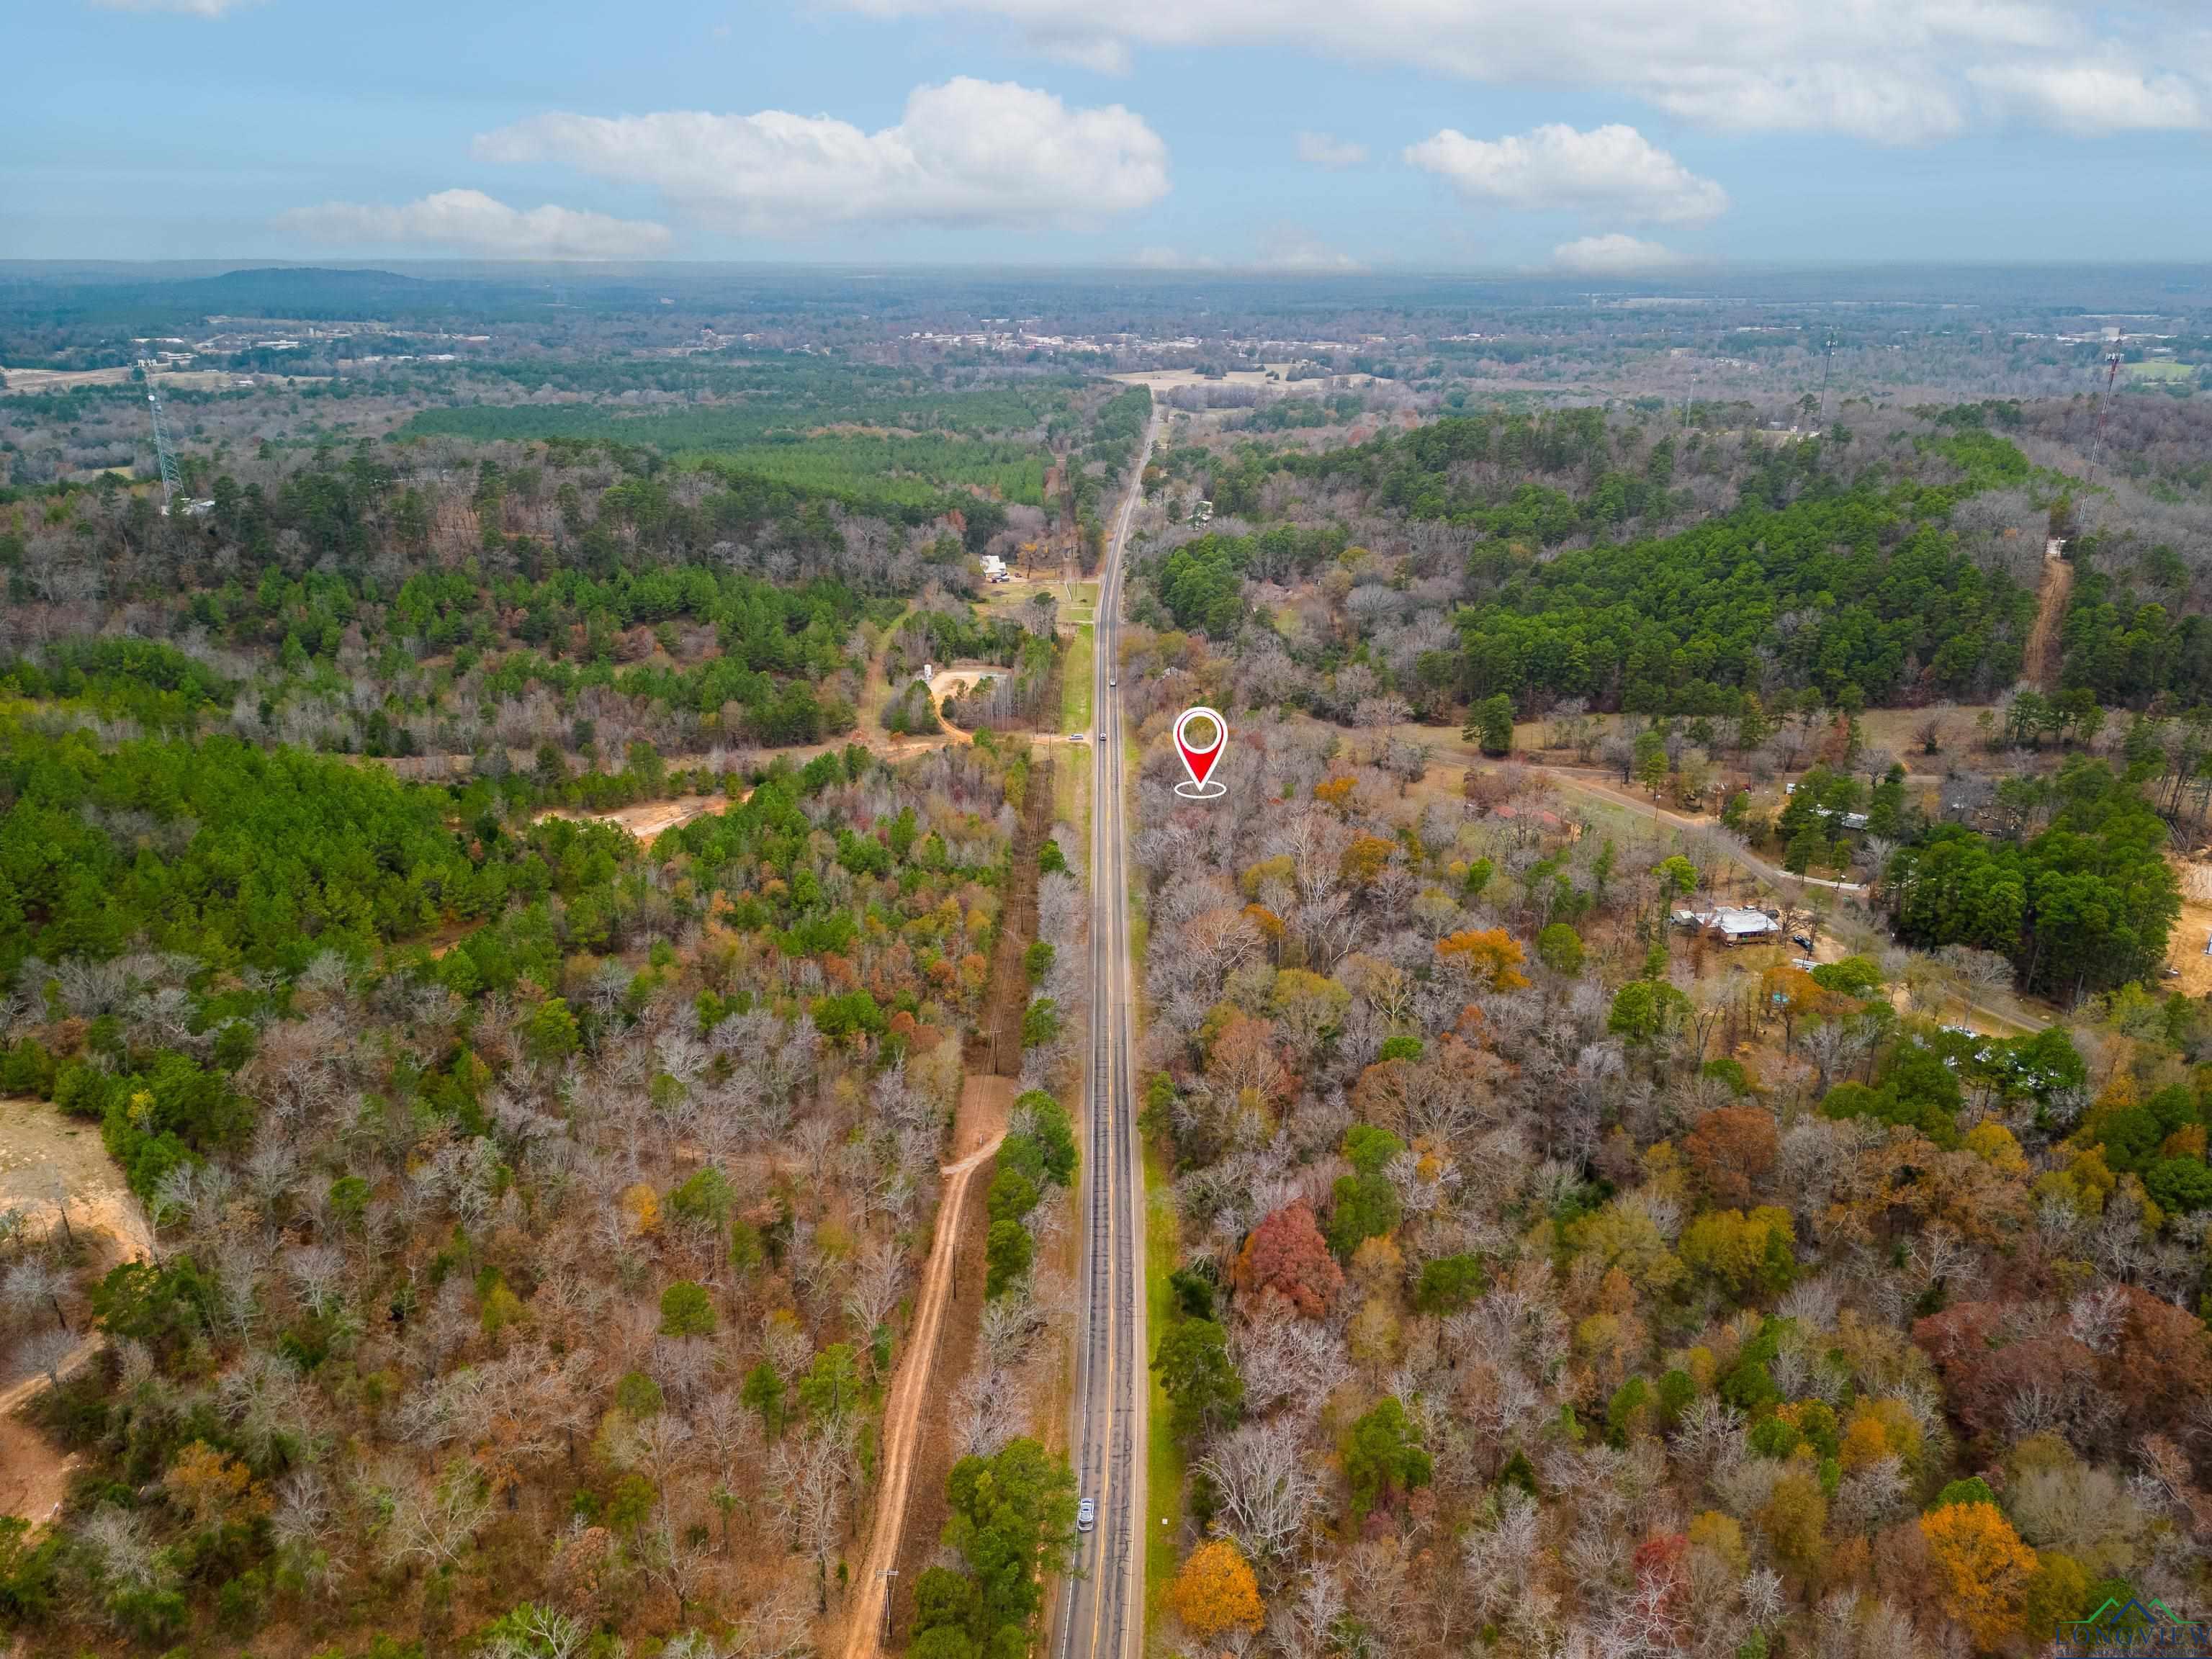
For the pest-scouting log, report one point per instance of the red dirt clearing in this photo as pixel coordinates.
(2044, 646)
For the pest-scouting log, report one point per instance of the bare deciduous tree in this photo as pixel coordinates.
(437, 1522)
(1267, 1486)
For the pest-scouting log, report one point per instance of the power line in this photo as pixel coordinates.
(163, 453)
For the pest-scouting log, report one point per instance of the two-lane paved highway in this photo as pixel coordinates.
(1102, 1607)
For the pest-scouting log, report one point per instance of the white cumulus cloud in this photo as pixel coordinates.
(1322, 150)
(1896, 72)
(967, 152)
(1614, 254)
(1614, 171)
(470, 222)
(2095, 97)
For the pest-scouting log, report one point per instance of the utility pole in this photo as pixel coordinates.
(887, 1574)
(163, 454)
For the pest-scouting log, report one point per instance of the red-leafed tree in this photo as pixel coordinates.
(2145, 1376)
(1988, 1357)
(1286, 1255)
(2161, 1365)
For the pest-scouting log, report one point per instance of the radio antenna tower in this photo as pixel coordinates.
(162, 451)
(1827, 358)
(2104, 405)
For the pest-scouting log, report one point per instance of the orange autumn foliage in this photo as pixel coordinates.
(1365, 859)
(1490, 954)
(1270, 925)
(1983, 1570)
(1215, 1592)
(641, 1207)
(1864, 1443)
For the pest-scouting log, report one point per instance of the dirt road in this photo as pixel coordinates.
(2025, 1025)
(2045, 647)
(2189, 944)
(47, 1159)
(1583, 784)
(910, 1388)
(1589, 781)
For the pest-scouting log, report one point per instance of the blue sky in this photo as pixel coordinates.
(1433, 134)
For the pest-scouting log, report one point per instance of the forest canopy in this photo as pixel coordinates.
(2085, 905)
(1862, 596)
(235, 855)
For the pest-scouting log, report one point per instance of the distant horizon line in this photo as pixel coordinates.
(1674, 271)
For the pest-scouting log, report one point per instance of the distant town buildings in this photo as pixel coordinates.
(1009, 340)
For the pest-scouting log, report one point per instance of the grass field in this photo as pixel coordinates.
(1078, 602)
(1071, 805)
(1011, 599)
(1075, 683)
(1071, 788)
(2160, 369)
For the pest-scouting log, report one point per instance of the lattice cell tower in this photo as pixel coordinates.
(2104, 408)
(163, 452)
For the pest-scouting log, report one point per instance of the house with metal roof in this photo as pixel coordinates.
(1730, 923)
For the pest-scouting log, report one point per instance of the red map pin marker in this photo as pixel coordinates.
(1200, 761)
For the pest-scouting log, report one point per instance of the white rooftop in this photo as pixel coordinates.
(1730, 920)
